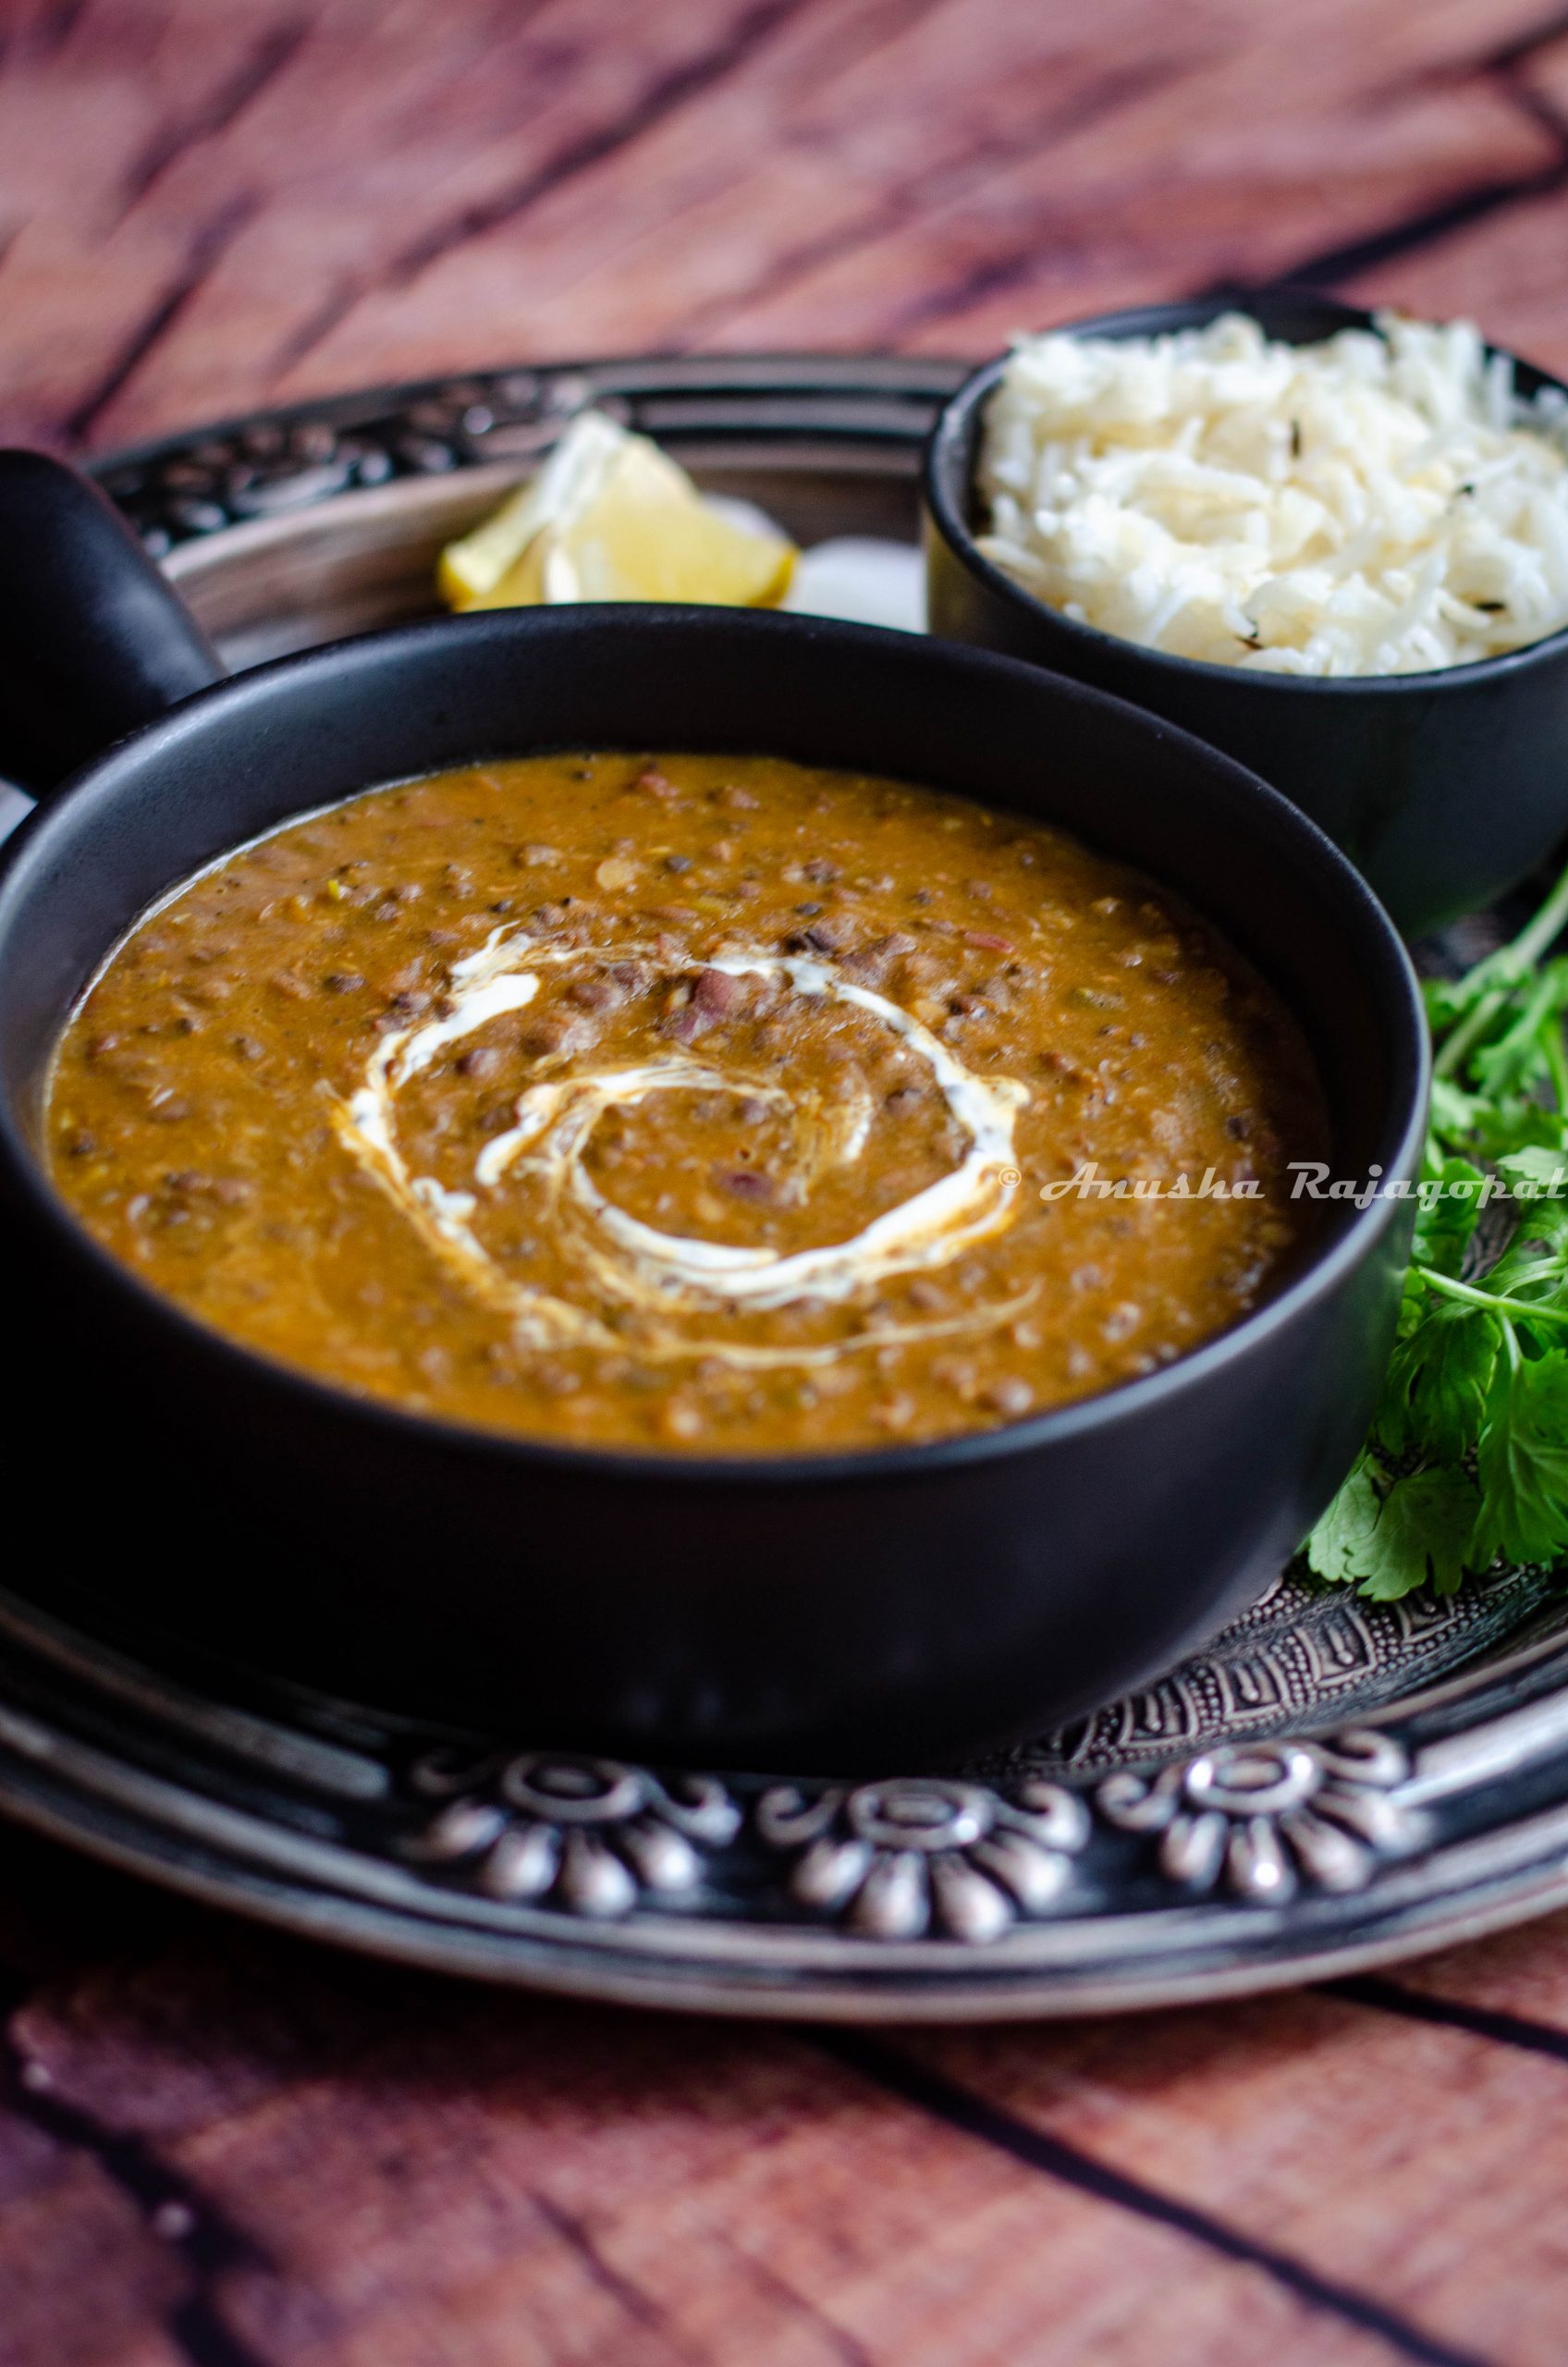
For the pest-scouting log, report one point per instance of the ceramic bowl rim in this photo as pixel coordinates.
(1323, 1270)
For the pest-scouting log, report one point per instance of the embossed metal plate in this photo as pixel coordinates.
(1332, 1785)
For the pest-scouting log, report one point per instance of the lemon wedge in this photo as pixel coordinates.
(470, 570)
(610, 517)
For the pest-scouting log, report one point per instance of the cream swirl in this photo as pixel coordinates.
(635, 1265)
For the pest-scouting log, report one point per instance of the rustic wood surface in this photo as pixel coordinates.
(218, 2148)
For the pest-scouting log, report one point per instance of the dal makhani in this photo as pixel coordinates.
(689, 1102)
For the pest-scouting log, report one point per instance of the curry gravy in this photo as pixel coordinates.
(692, 1102)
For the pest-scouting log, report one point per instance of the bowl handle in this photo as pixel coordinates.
(93, 639)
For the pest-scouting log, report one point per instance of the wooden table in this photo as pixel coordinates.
(221, 2147)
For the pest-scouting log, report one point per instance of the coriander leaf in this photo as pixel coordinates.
(1523, 1462)
(1529, 1270)
(1480, 1372)
(1537, 1173)
(1415, 1304)
(1449, 1216)
(1338, 1547)
(1389, 1541)
(1464, 1012)
(1435, 1397)
(1474, 1123)
(1537, 1177)
(1455, 1113)
(1478, 998)
(1512, 1123)
(1517, 1059)
(1422, 1537)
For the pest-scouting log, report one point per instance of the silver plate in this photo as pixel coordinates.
(1332, 1785)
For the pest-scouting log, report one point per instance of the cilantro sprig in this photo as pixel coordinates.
(1466, 1462)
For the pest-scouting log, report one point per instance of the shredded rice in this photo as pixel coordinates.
(1380, 504)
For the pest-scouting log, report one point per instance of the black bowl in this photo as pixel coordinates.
(1445, 789)
(801, 1611)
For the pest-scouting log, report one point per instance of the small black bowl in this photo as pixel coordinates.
(801, 1611)
(1445, 789)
